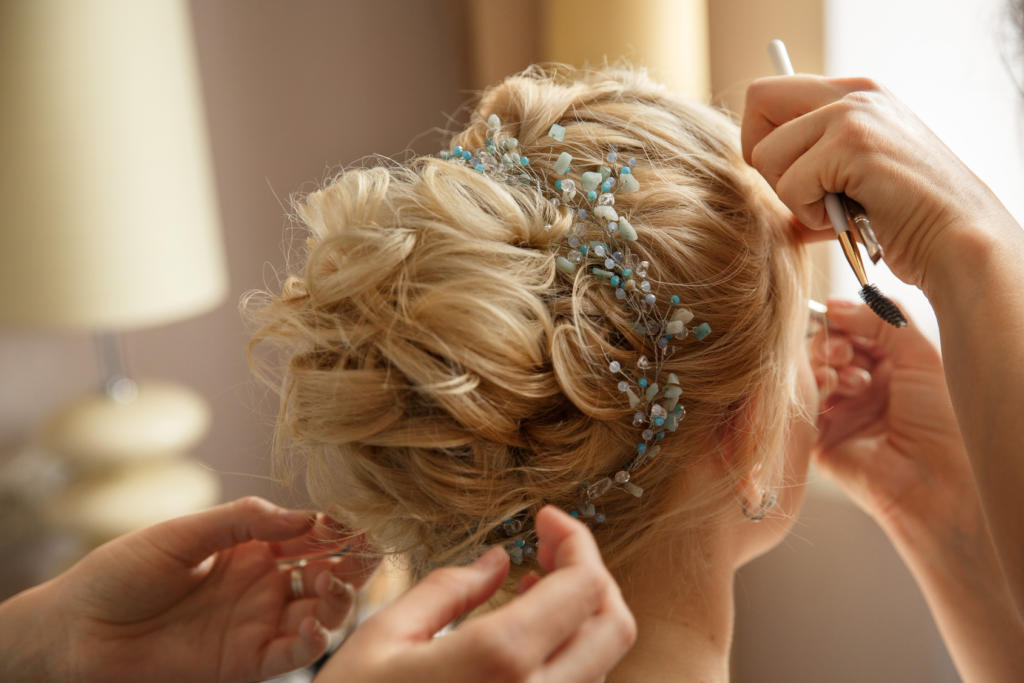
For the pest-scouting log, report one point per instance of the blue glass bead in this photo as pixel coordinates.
(659, 421)
(479, 167)
(674, 299)
(599, 517)
(660, 435)
(642, 381)
(617, 255)
(605, 186)
(615, 280)
(626, 272)
(457, 150)
(528, 550)
(591, 195)
(584, 249)
(574, 513)
(524, 161)
(466, 155)
(625, 169)
(558, 184)
(663, 343)
(678, 409)
(641, 448)
(520, 543)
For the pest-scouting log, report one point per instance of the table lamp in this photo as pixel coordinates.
(109, 224)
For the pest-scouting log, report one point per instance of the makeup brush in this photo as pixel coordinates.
(876, 301)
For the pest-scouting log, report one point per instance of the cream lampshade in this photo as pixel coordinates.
(110, 223)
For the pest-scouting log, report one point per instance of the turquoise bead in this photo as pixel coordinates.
(584, 249)
(466, 155)
(520, 543)
(458, 150)
(625, 169)
(701, 331)
(660, 435)
(674, 299)
(574, 513)
(641, 448)
(524, 161)
(658, 421)
(615, 280)
(479, 167)
(591, 195)
(558, 184)
(642, 381)
(677, 410)
(606, 186)
(627, 273)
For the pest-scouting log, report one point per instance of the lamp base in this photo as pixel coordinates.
(127, 498)
(96, 430)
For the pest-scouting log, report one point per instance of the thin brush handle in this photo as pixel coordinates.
(833, 202)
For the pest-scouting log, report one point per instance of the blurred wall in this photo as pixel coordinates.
(293, 92)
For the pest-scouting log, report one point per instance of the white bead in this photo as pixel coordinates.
(609, 263)
(614, 366)
(623, 385)
(621, 477)
(650, 299)
(606, 199)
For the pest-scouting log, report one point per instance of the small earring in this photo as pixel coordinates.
(768, 499)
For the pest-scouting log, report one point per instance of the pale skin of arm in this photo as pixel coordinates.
(943, 230)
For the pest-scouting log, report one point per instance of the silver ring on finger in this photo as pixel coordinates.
(298, 589)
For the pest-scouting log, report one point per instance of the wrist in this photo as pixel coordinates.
(963, 259)
(29, 647)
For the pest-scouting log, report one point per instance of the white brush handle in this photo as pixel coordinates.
(833, 205)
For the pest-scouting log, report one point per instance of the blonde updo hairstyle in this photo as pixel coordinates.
(439, 375)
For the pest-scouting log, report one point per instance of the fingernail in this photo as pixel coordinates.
(491, 560)
(339, 587)
(859, 377)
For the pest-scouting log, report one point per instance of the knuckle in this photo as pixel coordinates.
(498, 655)
(627, 631)
(759, 160)
(253, 505)
(757, 90)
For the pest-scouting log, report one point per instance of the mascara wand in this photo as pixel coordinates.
(869, 293)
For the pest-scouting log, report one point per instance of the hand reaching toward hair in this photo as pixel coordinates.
(198, 598)
(571, 626)
(889, 437)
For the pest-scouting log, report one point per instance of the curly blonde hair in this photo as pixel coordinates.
(439, 375)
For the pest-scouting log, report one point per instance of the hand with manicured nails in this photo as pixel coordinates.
(571, 626)
(198, 598)
(888, 436)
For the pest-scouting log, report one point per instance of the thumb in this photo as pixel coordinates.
(193, 538)
(441, 598)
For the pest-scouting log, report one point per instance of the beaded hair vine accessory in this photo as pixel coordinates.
(599, 245)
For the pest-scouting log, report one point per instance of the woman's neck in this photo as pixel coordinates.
(684, 631)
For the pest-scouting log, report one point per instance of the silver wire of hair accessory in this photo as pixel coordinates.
(599, 245)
